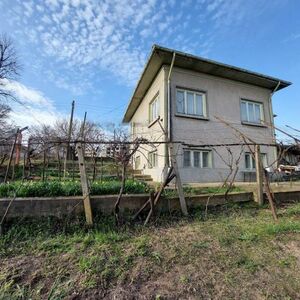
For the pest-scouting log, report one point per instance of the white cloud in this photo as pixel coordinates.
(34, 108)
(115, 36)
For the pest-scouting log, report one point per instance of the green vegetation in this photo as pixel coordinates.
(54, 188)
(236, 252)
(192, 191)
(68, 188)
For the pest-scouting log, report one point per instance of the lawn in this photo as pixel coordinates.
(236, 252)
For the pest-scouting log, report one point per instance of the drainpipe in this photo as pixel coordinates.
(169, 98)
(272, 118)
(169, 113)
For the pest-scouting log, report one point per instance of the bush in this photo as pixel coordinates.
(69, 188)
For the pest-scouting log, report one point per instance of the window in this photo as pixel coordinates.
(186, 158)
(152, 159)
(154, 110)
(250, 161)
(197, 158)
(137, 162)
(191, 103)
(252, 112)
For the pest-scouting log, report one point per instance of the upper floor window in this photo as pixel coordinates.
(252, 112)
(153, 110)
(197, 158)
(191, 103)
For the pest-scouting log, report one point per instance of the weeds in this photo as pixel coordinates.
(231, 246)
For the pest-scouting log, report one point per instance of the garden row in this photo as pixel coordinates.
(68, 188)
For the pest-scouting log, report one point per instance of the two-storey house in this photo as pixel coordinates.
(178, 98)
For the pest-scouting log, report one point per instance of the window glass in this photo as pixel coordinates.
(251, 117)
(154, 112)
(257, 113)
(205, 159)
(190, 103)
(251, 112)
(196, 159)
(137, 162)
(248, 161)
(244, 111)
(180, 101)
(199, 105)
(186, 158)
(152, 159)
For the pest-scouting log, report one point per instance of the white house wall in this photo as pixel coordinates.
(223, 98)
(140, 128)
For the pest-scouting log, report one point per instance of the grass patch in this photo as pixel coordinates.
(69, 188)
(192, 191)
(233, 248)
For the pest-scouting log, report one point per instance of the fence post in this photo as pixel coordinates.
(178, 180)
(259, 176)
(84, 184)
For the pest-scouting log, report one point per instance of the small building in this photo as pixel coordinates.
(177, 99)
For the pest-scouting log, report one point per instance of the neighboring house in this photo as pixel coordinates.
(185, 93)
(289, 154)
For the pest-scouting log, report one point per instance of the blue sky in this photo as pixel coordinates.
(93, 51)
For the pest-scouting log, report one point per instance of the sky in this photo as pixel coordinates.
(93, 51)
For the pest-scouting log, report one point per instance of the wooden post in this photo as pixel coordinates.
(28, 163)
(24, 164)
(259, 176)
(11, 156)
(44, 162)
(69, 139)
(178, 180)
(18, 148)
(84, 185)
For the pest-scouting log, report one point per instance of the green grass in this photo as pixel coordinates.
(68, 188)
(192, 191)
(237, 252)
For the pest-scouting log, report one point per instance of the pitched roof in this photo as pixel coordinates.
(163, 56)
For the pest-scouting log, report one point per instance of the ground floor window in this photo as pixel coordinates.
(152, 159)
(137, 162)
(250, 161)
(197, 158)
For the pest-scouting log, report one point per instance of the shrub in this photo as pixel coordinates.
(68, 188)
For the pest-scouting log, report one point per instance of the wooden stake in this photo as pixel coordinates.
(259, 176)
(11, 156)
(178, 181)
(84, 185)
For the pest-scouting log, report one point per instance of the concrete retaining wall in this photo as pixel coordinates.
(60, 206)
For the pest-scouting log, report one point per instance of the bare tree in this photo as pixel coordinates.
(9, 66)
(4, 115)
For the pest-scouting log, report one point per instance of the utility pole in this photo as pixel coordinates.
(69, 139)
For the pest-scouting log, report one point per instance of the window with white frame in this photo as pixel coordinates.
(153, 110)
(191, 103)
(197, 158)
(252, 112)
(250, 161)
(152, 159)
(137, 162)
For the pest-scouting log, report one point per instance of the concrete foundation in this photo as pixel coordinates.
(61, 206)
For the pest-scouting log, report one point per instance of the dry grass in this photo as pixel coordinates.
(236, 253)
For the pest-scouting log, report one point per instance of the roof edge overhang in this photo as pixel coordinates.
(160, 56)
